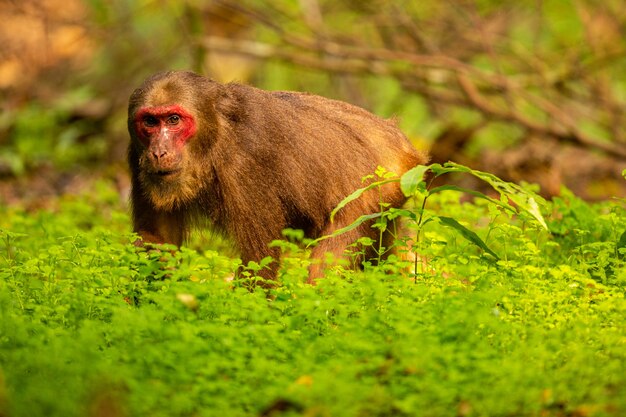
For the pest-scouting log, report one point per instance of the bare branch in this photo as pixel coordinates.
(358, 60)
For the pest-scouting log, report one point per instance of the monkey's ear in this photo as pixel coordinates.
(229, 105)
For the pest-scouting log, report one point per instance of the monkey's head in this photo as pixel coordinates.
(172, 119)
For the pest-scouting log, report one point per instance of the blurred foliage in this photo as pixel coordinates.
(520, 89)
(52, 137)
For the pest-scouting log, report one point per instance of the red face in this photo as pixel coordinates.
(164, 130)
(173, 121)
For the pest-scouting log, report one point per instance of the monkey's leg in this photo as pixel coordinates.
(269, 272)
(153, 225)
(336, 247)
(339, 246)
(161, 228)
(252, 239)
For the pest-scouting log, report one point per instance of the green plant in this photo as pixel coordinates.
(514, 200)
(90, 324)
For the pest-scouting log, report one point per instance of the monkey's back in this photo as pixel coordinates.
(337, 134)
(349, 125)
(317, 150)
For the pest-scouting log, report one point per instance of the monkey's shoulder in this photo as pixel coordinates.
(297, 99)
(295, 110)
(324, 107)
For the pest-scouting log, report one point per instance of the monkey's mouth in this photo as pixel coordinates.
(164, 173)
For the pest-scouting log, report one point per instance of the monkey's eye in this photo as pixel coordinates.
(173, 119)
(150, 121)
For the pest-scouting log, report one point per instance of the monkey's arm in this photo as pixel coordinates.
(155, 226)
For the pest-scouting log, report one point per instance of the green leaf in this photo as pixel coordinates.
(533, 210)
(467, 234)
(411, 179)
(449, 167)
(393, 212)
(525, 200)
(381, 172)
(356, 194)
(472, 192)
(351, 226)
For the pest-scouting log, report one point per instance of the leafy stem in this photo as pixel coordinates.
(513, 198)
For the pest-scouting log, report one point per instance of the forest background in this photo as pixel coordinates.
(531, 91)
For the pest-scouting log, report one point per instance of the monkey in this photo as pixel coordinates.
(250, 163)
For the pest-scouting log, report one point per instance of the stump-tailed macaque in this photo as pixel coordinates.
(255, 162)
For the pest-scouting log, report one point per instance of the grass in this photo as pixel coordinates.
(91, 326)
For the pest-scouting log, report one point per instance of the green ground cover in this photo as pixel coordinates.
(89, 325)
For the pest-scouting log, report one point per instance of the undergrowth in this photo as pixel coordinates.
(90, 325)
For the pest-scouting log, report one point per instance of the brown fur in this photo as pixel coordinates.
(263, 161)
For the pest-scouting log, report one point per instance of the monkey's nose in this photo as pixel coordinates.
(159, 154)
